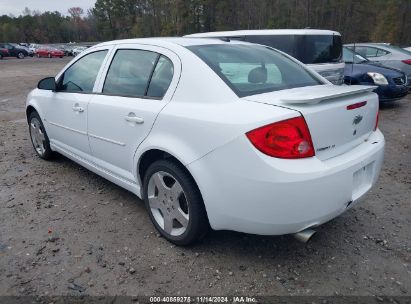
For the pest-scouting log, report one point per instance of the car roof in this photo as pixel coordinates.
(170, 41)
(365, 43)
(266, 32)
(384, 46)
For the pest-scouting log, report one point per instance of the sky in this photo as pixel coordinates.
(16, 7)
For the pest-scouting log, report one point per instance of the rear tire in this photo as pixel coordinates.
(20, 55)
(38, 136)
(174, 203)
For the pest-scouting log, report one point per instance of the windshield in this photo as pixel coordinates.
(254, 69)
(352, 57)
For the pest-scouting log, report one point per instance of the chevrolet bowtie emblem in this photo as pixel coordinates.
(357, 120)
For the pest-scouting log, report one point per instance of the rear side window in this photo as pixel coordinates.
(367, 51)
(285, 43)
(320, 48)
(162, 76)
(130, 72)
(138, 73)
(81, 76)
(381, 52)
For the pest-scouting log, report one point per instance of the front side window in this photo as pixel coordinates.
(368, 51)
(350, 56)
(81, 76)
(254, 69)
(130, 72)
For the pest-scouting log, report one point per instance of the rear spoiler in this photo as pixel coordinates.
(324, 92)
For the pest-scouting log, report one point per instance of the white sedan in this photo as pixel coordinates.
(216, 133)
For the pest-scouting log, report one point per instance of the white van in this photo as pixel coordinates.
(321, 50)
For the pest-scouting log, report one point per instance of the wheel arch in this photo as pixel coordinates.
(151, 155)
(30, 109)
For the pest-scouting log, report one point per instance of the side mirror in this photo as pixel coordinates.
(47, 84)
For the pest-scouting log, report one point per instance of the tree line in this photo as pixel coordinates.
(358, 21)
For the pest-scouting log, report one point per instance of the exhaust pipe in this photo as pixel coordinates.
(305, 235)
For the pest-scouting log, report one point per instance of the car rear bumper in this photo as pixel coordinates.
(247, 191)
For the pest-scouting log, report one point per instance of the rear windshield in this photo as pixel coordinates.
(254, 69)
(306, 48)
(397, 48)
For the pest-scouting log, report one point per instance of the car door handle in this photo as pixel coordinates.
(131, 117)
(77, 108)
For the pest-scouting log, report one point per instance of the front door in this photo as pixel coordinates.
(67, 108)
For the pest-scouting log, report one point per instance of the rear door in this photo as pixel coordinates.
(135, 87)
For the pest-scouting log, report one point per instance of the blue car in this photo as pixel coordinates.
(392, 83)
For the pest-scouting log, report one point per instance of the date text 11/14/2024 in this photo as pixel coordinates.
(203, 299)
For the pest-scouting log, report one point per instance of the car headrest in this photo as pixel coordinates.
(258, 75)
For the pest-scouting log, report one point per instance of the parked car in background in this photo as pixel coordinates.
(68, 50)
(392, 83)
(78, 50)
(33, 48)
(408, 49)
(15, 50)
(30, 52)
(388, 55)
(227, 134)
(321, 50)
(49, 52)
(4, 53)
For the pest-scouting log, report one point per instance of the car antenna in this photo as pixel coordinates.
(352, 64)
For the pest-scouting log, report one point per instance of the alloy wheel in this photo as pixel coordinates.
(168, 203)
(37, 136)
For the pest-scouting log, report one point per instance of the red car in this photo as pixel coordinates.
(49, 52)
(4, 53)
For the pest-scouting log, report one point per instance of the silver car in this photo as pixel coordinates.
(387, 55)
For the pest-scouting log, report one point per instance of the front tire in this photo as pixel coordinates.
(174, 203)
(20, 55)
(38, 136)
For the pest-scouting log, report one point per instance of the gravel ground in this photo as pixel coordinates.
(66, 231)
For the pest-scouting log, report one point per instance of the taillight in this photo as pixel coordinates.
(356, 105)
(407, 61)
(376, 120)
(285, 139)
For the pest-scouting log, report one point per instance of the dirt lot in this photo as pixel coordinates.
(102, 242)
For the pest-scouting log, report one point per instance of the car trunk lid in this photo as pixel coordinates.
(339, 117)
